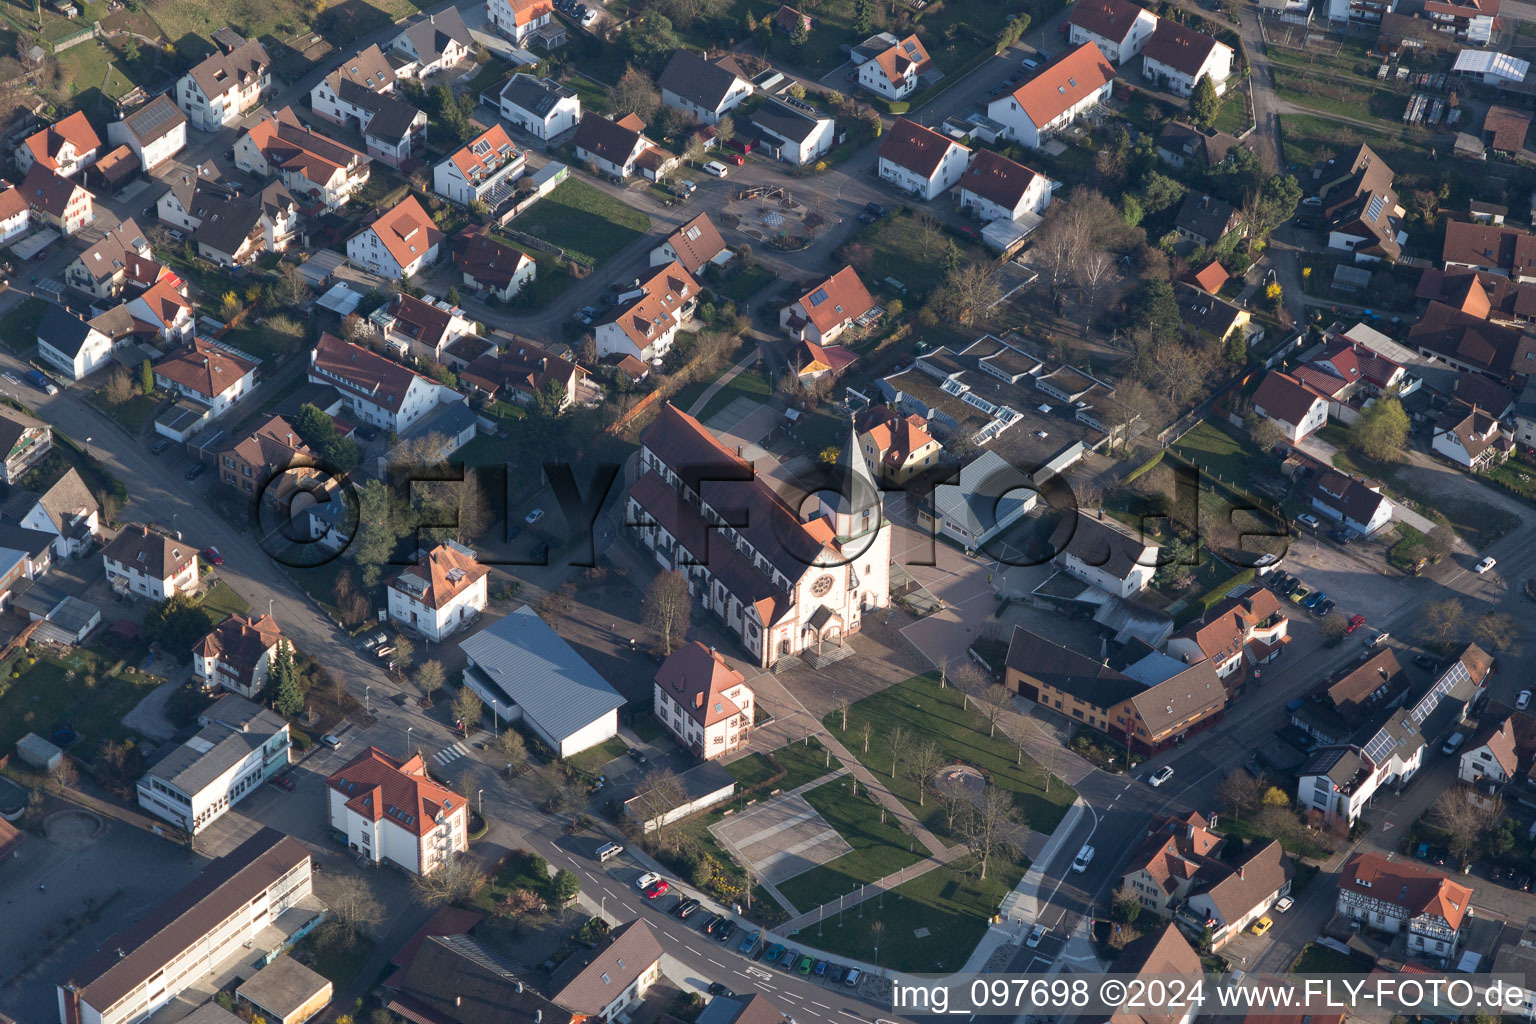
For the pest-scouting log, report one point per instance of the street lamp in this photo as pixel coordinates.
(408, 741)
(368, 698)
(269, 606)
(480, 800)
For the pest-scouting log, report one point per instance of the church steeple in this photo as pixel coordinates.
(855, 506)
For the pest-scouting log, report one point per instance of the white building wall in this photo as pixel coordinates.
(590, 735)
(437, 624)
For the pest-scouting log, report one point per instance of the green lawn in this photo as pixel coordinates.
(1315, 959)
(900, 251)
(42, 699)
(222, 600)
(746, 384)
(337, 963)
(1215, 450)
(878, 848)
(745, 284)
(1233, 117)
(752, 770)
(592, 759)
(929, 713)
(804, 762)
(948, 903)
(1518, 476)
(137, 415)
(18, 328)
(582, 219)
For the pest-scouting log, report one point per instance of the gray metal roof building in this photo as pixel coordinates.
(991, 495)
(560, 696)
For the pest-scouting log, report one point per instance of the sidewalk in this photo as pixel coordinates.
(721, 381)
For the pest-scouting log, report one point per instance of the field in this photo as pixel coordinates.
(877, 847)
(583, 220)
(280, 18)
(927, 712)
(1213, 450)
(43, 698)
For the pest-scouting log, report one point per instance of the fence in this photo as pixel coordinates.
(83, 36)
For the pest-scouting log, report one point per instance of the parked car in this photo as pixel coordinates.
(693, 907)
(1523, 701)
(366, 433)
(726, 930)
(737, 159)
(1485, 565)
(716, 168)
(639, 758)
(1263, 925)
(197, 470)
(774, 952)
(836, 973)
(534, 516)
(1355, 622)
(645, 880)
(377, 638)
(160, 446)
(1339, 536)
(1424, 661)
(211, 555)
(40, 380)
(717, 989)
(806, 963)
(1323, 609)
(1313, 599)
(1299, 595)
(820, 970)
(714, 921)
(656, 889)
(283, 782)
(1308, 519)
(1283, 904)
(1252, 767)
(1036, 936)
(787, 961)
(875, 209)
(852, 977)
(1162, 775)
(749, 942)
(1453, 744)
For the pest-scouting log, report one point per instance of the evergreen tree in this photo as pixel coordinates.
(801, 34)
(288, 699)
(565, 886)
(147, 377)
(863, 16)
(1204, 104)
(1382, 430)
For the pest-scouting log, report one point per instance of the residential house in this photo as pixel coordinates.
(645, 320)
(282, 992)
(238, 746)
(812, 362)
(891, 67)
(1150, 717)
(1505, 130)
(1469, 343)
(66, 148)
(442, 968)
(1162, 870)
(1176, 58)
(228, 227)
(1164, 954)
(144, 561)
(1208, 318)
(1210, 279)
(521, 372)
(314, 168)
(702, 701)
(1375, 13)
(1500, 249)
(518, 19)
(1525, 414)
(1296, 409)
(1182, 145)
(24, 442)
(434, 43)
(225, 87)
(920, 160)
(620, 148)
(789, 581)
(786, 20)
(1471, 437)
(70, 344)
(1492, 756)
(15, 214)
(896, 447)
(1518, 959)
(1119, 28)
(1206, 220)
(163, 311)
(392, 812)
(602, 984)
(1055, 97)
(996, 188)
(524, 669)
(1470, 21)
(1394, 896)
(1352, 702)
(235, 903)
(1358, 506)
(490, 266)
(67, 510)
(61, 202)
(791, 134)
(272, 452)
(208, 374)
(1361, 212)
(377, 391)
(422, 328)
(399, 244)
(102, 270)
(988, 496)
(695, 246)
(441, 593)
(483, 170)
(1100, 551)
(359, 95)
(1227, 901)
(542, 107)
(706, 89)
(829, 308)
(1237, 635)
(155, 132)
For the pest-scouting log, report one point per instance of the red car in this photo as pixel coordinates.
(1355, 622)
(283, 782)
(656, 889)
(212, 557)
(736, 158)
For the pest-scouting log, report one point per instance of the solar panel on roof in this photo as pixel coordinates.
(1374, 210)
(818, 296)
(1379, 747)
(1431, 700)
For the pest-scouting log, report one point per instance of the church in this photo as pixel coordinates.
(790, 575)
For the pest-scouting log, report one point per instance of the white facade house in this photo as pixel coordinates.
(526, 671)
(66, 148)
(70, 344)
(378, 391)
(209, 375)
(391, 812)
(619, 148)
(891, 67)
(1119, 28)
(1055, 97)
(706, 89)
(603, 984)
(155, 132)
(645, 320)
(791, 134)
(399, 244)
(1471, 437)
(360, 95)
(1175, 58)
(485, 169)
(920, 160)
(67, 510)
(15, 214)
(259, 896)
(434, 43)
(1396, 896)
(225, 87)
(519, 19)
(441, 593)
(1360, 507)
(1098, 550)
(147, 563)
(996, 188)
(1296, 409)
(541, 107)
(240, 746)
(1491, 758)
(237, 655)
(702, 701)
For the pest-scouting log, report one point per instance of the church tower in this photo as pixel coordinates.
(854, 507)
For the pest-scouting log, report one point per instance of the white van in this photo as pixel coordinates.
(1453, 744)
(717, 168)
(608, 851)
(1084, 858)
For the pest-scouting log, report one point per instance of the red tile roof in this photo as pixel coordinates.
(1180, 48)
(907, 56)
(895, 436)
(696, 677)
(487, 261)
(407, 231)
(918, 149)
(486, 153)
(696, 243)
(1063, 84)
(1406, 885)
(377, 785)
(525, 11)
(446, 571)
(48, 192)
(74, 129)
(1212, 277)
(361, 372)
(204, 368)
(1283, 397)
(840, 297)
(997, 179)
(240, 641)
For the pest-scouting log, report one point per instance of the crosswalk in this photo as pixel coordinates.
(450, 754)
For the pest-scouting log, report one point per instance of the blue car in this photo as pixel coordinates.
(749, 943)
(1314, 599)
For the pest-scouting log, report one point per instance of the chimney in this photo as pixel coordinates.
(698, 699)
(1242, 872)
(458, 1000)
(1189, 831)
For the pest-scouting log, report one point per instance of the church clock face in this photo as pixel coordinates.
(821, 587)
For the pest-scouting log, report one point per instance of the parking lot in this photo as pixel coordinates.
(1355, 585)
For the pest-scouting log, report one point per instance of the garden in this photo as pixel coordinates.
(585, 221)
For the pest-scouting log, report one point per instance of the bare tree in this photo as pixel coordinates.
(1240, 794)
(921, 762)
(865, 731)
(1095, 269)
(634, 92)
(467, 708)
(64, 775)
(430, 678)
(659, 792)
(994, 828)
(1056, 247)
(930, 235)
(668, 609)
(510, 746)
(998, 702)
(899, 739)
(1442, 624)
(351, 902)
(842, 710)
(119, 386)
(876, 933)
(1049, 758)
(456, 880)
(518, 904)
(955, 797)
(1465, 815)
(967, 293)
(1497, 632)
